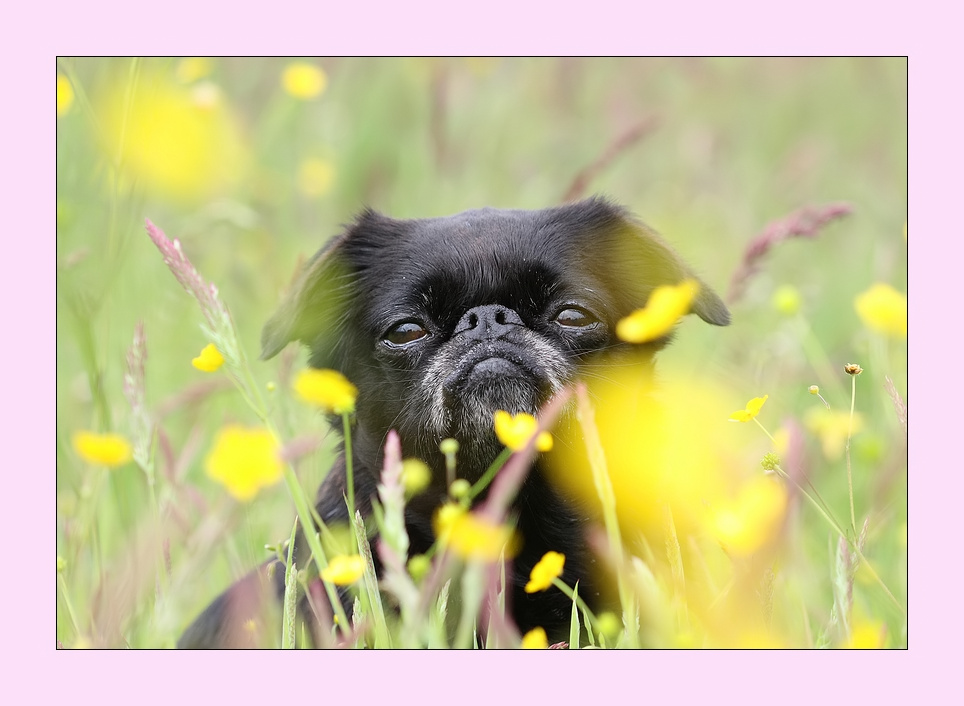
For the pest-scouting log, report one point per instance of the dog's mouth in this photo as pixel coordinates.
(495, 370)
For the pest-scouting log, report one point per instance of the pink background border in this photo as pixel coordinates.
(433, 26)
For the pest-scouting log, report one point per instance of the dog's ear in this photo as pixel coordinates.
(313, 306)
(639, 260)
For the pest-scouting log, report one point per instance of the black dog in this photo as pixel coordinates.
(439, 323)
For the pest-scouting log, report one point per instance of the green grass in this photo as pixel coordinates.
(737, 144)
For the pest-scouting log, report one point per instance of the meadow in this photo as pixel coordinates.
(783, 181)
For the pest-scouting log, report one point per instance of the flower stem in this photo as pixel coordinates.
(489, 474)
(850, 480)
(349, 469)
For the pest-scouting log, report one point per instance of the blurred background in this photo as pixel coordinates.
(253, 163)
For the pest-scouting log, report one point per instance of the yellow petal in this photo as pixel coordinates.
(209, 360)
(327, 389)
(535, 639)
(106, 449)
(303, 80)
(344, 570)
(666, 305)
(244, 460)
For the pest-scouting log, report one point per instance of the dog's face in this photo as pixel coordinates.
(441, 322)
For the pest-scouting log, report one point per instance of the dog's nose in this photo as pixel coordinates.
(487, 322)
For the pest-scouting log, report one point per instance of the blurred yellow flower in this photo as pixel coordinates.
(315, 177)
(548, 568)
(327, 389)
(535, 639)
(209, 360)
(752, 409)
(883, 309)
(106, 449)
(244, 460)
(753, 518)
(867, 635)
(666, 305)
(831, 428)
(192, 68)
(787, 300)
(344, 570)
(472, 536)
(515, 431)
(65, 95)
(173, 139)
(415, 476)
(303, 80)
(672, 448)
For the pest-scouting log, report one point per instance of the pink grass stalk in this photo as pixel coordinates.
(806, 222)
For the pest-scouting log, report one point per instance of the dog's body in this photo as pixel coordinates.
(441, 322)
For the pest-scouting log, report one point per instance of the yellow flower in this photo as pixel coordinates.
(173, 139)
(883, 309)
(753, 518)
(472, 536)
(192, 68)
(515, 431)
(548, 568)
(415, 476)
(535, 639)
(752, 409)
(787, 300)
(831, 428)
(304, 80)
(315, 177)
(209, 360)
(106, 449)
(666, 305)
(867, 635)
(244, 460)
(65, 95)
(327, 389)
(344, 570)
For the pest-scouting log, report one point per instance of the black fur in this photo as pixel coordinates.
(441, 321)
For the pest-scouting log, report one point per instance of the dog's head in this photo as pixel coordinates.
(440, 322)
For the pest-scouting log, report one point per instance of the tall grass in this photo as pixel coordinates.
(721, 156)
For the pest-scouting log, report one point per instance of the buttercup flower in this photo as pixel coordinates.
(244, 460)
(192, 68)
(883, 309)
(752, 409)
(867, 635)
(515, 430)
(327, 389)
(543, 573)
(344, 570)
(832, 428)
(106, 449)
(666, 305)
(752, 518)
(535, 639)
(787, 300)
(172, 139)
(852, 369)
(65, 95)
(209, 360)
(471, 536)
(303, 80)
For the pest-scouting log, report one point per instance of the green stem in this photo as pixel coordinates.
(573, 596)
(349, 469)
(70, 607)
(850, 480)
(489, 475)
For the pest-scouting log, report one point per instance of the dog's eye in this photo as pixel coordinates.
(574, 317)
(404, 333)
